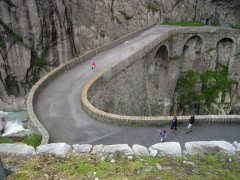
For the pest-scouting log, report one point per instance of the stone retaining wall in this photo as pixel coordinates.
(160, 149)
(34, 123)
(113, 71)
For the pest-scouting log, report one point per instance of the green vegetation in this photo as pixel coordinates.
(15, 36)
(125, 15)
(236, 26)
(33, 140)
(211, 49)
(153, 7)
(37, 60)
(4, 140)
(212, 82)
(192, 23)
(198, 52)
(2, 44)
(215, 22)
(91, 167)
(176, 57)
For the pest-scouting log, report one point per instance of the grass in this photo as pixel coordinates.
(90, 167)
(33, 140)
(4, 140)
(183, 23)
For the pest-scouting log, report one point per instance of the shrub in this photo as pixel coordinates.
(33, 140)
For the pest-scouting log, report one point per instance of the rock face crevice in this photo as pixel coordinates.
(37, 35)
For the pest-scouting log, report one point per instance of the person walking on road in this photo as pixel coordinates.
(174, 123)
(93, 65)
(163, 135)
(191, 122)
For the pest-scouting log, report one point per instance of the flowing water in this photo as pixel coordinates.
(13, 121)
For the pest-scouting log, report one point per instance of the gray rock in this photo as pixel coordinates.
(2, 124)
(122, 148)
(209, 147)
(58, 149)
(160, 168)
(153, 152)
(167, 148)
(189, 163)
(97, 149)
(236, 145)
(140, 150)
(82, 148)
(17, 148)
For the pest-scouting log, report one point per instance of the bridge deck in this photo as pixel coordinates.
(58, 106)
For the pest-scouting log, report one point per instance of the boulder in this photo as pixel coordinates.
(153, 152)
(122, 148)
(2, 124)
(82, 148)
(17, 148)
(236, 145)
(167, 149)
(58, 149)
(140, 150)
(97, 149)
(209, 147)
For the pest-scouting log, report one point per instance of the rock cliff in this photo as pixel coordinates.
(37, 35)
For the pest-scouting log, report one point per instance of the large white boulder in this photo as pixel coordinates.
(140, 150)
(98, 149)
(236, 145)
(122, 148)
(82, 148)
(167, 149)
(209, 147)
(58, 149)
(17, 148)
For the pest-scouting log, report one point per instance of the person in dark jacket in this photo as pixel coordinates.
(174, 123)
(191, 122)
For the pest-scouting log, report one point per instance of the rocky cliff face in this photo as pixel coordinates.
(37, 35)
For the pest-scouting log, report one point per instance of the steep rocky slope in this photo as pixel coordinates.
(37, 35)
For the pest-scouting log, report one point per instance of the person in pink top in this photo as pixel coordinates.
(93, 65)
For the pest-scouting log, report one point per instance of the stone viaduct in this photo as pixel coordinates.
(139, 99)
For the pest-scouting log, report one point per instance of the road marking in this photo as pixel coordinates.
(101, 137)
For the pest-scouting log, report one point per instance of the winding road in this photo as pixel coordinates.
(58, 106)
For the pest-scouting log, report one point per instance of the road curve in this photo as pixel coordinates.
(58, 105)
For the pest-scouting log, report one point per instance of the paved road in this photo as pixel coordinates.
(58, 106)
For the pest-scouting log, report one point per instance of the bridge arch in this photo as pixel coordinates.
(224, 49)
(156, 84)
(192, 50)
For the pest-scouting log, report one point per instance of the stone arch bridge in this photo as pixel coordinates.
(66, 102)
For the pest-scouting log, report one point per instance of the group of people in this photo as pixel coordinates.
(163, 133)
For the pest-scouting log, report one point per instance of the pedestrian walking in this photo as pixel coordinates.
(163, 135)
(191, 122)
(174, 123)
(93, 65)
